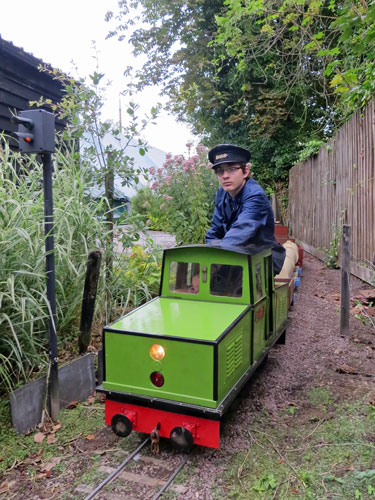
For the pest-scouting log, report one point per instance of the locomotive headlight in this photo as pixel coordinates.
(157, 352)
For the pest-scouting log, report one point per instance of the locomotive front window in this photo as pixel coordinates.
(226, 280)
(184, 277)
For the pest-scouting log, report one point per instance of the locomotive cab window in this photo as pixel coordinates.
(226, 280)
(184, 277)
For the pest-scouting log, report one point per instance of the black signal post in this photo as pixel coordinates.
(36, 134)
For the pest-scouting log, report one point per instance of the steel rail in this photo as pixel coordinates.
(171, 478)
(117, 471)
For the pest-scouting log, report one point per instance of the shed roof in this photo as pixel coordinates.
(21, 81)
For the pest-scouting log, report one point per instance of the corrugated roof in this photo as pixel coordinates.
(20, 53)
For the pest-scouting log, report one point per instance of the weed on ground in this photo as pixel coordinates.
(319, 451)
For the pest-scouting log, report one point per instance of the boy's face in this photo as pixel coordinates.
(231, 177)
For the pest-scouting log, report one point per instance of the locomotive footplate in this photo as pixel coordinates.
(201, 431)
(162, 404)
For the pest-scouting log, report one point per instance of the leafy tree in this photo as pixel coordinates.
(324, 47)
(81, 107)
(274, 75)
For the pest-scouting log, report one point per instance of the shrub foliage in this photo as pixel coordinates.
(181, 197)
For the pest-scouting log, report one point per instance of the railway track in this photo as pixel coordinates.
(148, 478)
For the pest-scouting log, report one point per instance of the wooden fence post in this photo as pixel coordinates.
(88, 302)
(345, 273)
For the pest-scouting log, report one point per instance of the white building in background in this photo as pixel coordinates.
(153, 157)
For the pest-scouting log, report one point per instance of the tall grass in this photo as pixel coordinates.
(79, 227)
(23, 302)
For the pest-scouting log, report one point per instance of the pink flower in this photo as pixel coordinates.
(155, 185)
(167, 179)
(167, 197)
(152, 170)
(188, 164)
(195, 158)
(160, 172)
(167, 163)
(200, 149)
(178, 160)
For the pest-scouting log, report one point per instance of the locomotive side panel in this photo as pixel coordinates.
(234, 355)
(259, 329)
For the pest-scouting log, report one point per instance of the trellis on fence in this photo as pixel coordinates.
(337, 186)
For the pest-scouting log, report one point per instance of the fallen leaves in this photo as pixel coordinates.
(90, 400)
(72, 405)
(48, 431)
(46, 468)
(51, 438)
(347, 369)
(39, 437)
(365, 297)
(6, 486)
(364, 302)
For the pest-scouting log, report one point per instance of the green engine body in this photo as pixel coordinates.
(218, 314)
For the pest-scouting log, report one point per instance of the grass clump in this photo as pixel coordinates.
(23, 301)
(75, 423)
(309, 457)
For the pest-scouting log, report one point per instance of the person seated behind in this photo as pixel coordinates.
(243, 215)
(193, 288)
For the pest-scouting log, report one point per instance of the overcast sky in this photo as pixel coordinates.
(59, 32)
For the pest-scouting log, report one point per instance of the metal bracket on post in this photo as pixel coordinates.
(36, 134)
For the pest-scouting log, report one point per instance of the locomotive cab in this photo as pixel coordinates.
(178, 361)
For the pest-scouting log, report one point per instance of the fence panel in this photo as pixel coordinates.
(337, 186)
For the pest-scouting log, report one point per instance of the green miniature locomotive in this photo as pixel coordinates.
(177, 362)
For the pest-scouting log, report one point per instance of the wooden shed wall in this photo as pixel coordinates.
(337, 186)
(21, 82)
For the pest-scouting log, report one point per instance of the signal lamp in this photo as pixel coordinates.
(157, 352)
(157, 379)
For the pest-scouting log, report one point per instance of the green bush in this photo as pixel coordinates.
(136, 277)
(146, 203)
(181, 197)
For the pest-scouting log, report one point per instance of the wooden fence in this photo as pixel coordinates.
(337, 186)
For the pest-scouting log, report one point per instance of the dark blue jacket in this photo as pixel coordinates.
(245, 220)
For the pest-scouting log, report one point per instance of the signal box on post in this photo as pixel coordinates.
(36, 131)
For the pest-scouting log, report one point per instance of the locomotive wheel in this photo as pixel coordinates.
(121, 425)
(181, 439)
